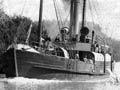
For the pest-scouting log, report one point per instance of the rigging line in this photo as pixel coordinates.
(56, 14)
(59, 13)
(20, 25)
(109, 23)
(66, 4)
(96, 10)
(23, 7)
(66, 18)
(96, 14)
(67, 15)
(21, 15)
(90, 7)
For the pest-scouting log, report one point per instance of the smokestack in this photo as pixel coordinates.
(74, 18)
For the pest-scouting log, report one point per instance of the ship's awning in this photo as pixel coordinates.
(66, 55)
(108, 57)
(24, 47)
(100, 57)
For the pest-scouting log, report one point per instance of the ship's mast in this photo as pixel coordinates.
(83, 13)
(40, 22)
(71, 18)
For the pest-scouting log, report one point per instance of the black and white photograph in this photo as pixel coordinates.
(59, 44)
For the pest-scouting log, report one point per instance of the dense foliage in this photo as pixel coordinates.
(11, 27)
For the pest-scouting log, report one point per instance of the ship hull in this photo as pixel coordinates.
(40, 65)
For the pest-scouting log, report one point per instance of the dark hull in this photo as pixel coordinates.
(35, 65)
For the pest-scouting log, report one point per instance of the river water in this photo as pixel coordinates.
(21, 83)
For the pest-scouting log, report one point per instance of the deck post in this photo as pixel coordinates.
(15, 59)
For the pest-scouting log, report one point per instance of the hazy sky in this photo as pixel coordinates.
(105, 12)
(30, 8)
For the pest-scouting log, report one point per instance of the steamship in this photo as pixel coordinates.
(72, 52)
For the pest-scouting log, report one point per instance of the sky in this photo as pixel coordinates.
(30, 8)
(104, 12)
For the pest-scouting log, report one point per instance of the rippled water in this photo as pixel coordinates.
(20, 83)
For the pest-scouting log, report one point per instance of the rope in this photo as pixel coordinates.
(67, 16)
(96, 13)
(56, 14)
(101, 24)
(23, 7)
(110, 41)
(59, 15)
(90, 7)
(17, 33)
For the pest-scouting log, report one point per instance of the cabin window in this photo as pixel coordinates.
(86, 56)
(72, 54)
(59, 52)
